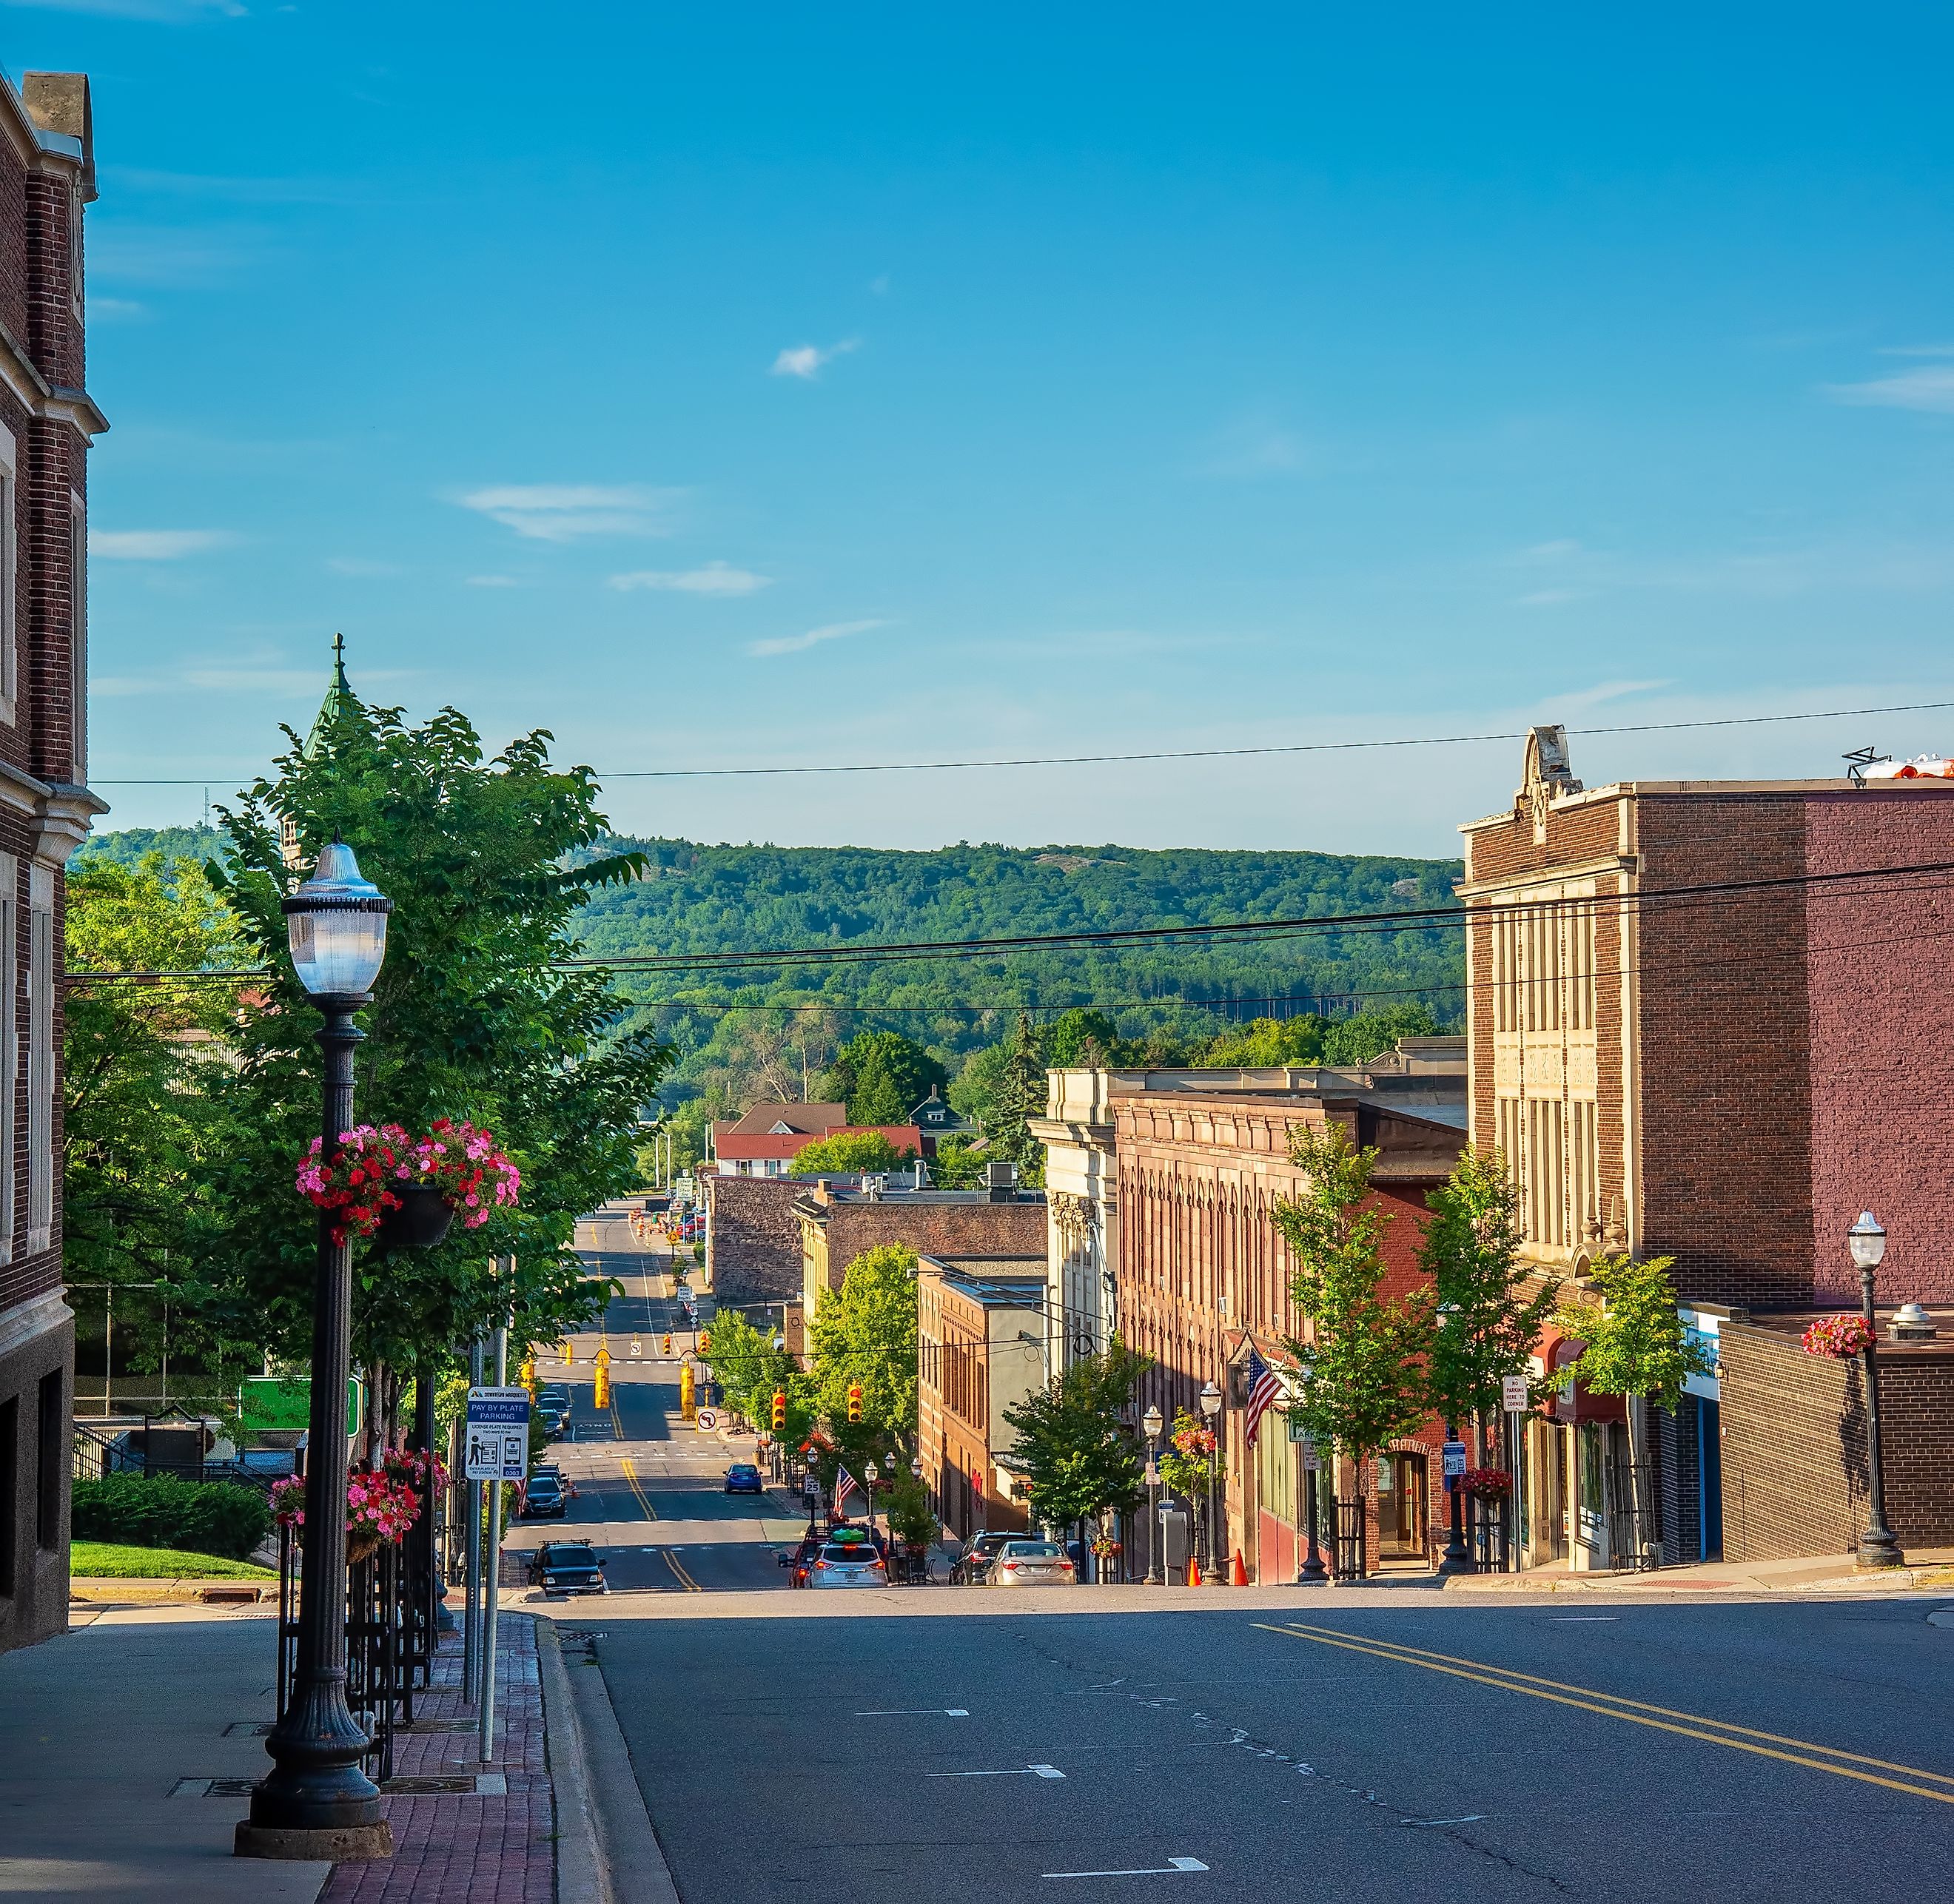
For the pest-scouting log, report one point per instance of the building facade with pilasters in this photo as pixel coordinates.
(47, 423)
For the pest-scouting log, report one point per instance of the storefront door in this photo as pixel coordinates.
(1401, 1505)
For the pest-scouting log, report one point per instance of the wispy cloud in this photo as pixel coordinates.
(828, 632)
(116, 310)
(1918, 350)
(1566, 570)
(567, 512)
(1930, 388)
(1551, 597)
(162, 256)
(1254, 445)
(805, 360)
(156, 545)
(217, 187)
(715, 578)
(164, 12)
(493, 581)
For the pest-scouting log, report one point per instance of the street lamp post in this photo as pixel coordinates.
(1151, 1421)
(1210, 1406)
(872, 1474)
(1455, 1559)
(1878, 1546)
(315, 1803)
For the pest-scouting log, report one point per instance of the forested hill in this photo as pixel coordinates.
(703, 899)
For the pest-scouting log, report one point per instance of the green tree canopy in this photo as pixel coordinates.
(1021, 1096)
(882, 1077)
(475, 1015)
(140, 1134)
(1071, 1448)
(1626, 1317)
(1364, 1374)
(1486, 1327)
(847, 1151)
(865, 1332)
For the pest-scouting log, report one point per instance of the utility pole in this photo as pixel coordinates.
(485, 1732)
(471, 1617)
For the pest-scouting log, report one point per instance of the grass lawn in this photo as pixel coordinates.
(94, 1560)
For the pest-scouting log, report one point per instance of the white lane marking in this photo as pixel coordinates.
(1582, 1619)
(1166, 1870)
(1470, 1818)
(1015, 1772)
(917, 1712)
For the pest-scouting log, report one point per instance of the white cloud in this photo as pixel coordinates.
(1930, 388)
(116, 310)
(828, 632)
(1255, 444)
(361, 567)
(164, 12)
(1550, 597)
(565, 512)
(493, 581)
(715, 578)
(1918, 350)
(156, 545)
(805, 360)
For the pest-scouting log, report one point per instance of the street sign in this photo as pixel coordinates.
(498, 1434)
(1513, 1394)
(1297, 1432)
(708, 1420)
(1312, 1462)
(281, 1404)
(1455, 1459)
(1153, 1472)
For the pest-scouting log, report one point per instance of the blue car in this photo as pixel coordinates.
(744, 1477)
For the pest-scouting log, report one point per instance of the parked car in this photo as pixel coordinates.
(1030, 1563)
(544, 1496)
(744, 1477)
(800, 1561)
(848, 1564)
(979, 1551)
(551, 1468)
(565, 1567)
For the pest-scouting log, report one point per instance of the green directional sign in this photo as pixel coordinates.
(282, 1404)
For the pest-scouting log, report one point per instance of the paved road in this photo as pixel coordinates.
(650, 1487)
(1379, 1749)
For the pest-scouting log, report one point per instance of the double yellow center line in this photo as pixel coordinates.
(1939, 1786)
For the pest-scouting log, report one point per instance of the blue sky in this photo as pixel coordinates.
(744, 385)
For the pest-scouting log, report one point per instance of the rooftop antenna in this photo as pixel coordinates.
(1859, 760)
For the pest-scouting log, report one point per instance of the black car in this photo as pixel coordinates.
(744, 1477)
(563, 1567)
(544, 1495)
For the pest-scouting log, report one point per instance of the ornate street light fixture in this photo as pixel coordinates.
(1210, 1406)
(1152, 1422)
(315, 1803)
(1455, 1559)
(1878, 1545)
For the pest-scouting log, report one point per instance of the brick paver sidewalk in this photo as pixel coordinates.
(489, 1848)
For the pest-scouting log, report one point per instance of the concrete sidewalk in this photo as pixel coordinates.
(1929, 1568)
(118, 1728)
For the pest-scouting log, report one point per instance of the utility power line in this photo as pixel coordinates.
(774, 771)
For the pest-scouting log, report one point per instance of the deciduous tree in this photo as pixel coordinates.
(1071, 1448)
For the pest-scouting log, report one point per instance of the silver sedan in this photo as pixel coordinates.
(1031, 1563)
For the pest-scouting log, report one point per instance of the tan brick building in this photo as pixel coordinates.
(981, 1349)
(47, 421)
(1708, 1020)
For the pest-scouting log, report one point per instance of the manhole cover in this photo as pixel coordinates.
(425, 1787)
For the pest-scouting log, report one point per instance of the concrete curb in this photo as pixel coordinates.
(606, 1850)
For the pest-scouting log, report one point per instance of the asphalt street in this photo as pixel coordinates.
(650, 1486)
(1348, 1750)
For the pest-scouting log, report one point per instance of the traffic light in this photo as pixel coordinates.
(528, 1374)
(668, 1342)
(603, 1388)
(854, 1401)
(705, 1341)
(780, 1409)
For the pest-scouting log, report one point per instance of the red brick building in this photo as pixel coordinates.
(1203, 1275)
(1709, 1020)
(47, 421)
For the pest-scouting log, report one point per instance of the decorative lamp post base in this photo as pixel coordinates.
(337, 1844)
(1876, 1552)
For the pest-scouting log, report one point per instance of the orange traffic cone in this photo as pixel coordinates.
(1240, 1575)
(1194, 1572)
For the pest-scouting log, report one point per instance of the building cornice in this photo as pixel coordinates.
(36, 1316)
(1557, 874)
(1087, 1136)
(58, 402)
(63, 815)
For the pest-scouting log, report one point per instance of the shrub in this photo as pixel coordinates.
(158, 1511)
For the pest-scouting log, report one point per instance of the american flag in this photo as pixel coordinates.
(844, 1485)
(1265, 1389)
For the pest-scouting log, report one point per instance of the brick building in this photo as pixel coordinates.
(1203, 1275)
(981, 1349)
(752, 1236)
(1708, 1020)
(47, 421)
(837, 1225)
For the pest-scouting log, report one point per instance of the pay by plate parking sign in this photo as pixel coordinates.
(498, 1434)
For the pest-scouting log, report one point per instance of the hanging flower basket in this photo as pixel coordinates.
(1487, 1484)
(1105, 1548)
(399, 1192)
(382, 1503)
(1838, 1337)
